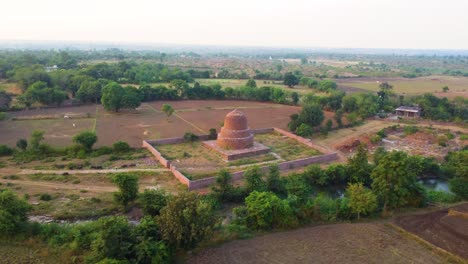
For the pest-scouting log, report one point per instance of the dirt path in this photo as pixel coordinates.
(338, 243)
(29, 172)
(68, 186)
(371, 126)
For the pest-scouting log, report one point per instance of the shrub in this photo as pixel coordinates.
(213, 134)
(86, 139)
(459, 186)
(105, 150)
(304, 130)
(3, 116)
(153, 201)
(186, 220)
(266, 211)
(5, 150)
(190, 137)
(409, 130)
(442, 140)
(22, 144)
(13, 212)
(45, 197)
(434, 196)
(128, 188)
(121, 146)
(375, 139)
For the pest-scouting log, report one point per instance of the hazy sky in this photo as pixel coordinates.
(314, 23)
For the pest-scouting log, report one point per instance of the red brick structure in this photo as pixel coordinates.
(236, 133)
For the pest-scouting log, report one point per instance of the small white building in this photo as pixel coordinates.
(408, 111)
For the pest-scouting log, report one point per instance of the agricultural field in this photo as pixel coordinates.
(458, 86)
(241, 82)
(339, 243)
(146, 122)
(197, 161)
(446, 228)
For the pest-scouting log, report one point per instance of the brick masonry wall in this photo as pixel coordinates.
(287, 165)
(284, 166)
(156, 154)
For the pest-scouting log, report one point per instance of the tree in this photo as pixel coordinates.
(5, 100)
(121, 146)
(311, 114)
(22, 144)
(36, 137)
(128, 188)
(89, 91)
(361, 200)
(384, 94)
(167, 109)
(115, 97)
(358, 168)
(304, 130)
(290, 79)
(445, 89)
(329, 125)
(112, 97)
(13, 212)
(223, 188)
(327, 85)
(253, 180)
(273, 181)
(295, 98)
(114, 239)
(186, 220)
(251, 83)
(394, 182)
(153, 201)
(86, 139)
(267, 211)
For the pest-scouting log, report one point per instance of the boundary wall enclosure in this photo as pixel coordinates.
(202, 183)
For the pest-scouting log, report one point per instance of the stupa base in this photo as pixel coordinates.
(229, 155)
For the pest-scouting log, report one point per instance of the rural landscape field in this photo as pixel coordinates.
(233, 132)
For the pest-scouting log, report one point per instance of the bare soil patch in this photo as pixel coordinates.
(439, 228)
(339, 243)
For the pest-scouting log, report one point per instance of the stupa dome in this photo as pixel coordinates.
(236, 133)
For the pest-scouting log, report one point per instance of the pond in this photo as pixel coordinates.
(435, 184)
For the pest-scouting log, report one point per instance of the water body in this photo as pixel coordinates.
(435, 184)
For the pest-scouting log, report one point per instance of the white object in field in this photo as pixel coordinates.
(74, 125)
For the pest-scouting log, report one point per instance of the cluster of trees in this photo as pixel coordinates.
(115, 97)
(170, 223)
(387, 184)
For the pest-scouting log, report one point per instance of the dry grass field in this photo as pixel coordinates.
(432, 84)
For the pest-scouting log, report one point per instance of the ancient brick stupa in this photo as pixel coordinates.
(236, 140)
(236, 133)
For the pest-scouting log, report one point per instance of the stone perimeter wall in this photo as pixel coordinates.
(287, 165)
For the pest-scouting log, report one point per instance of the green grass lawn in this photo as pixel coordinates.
(287, 148)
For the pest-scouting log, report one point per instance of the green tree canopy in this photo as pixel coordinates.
(290, 79)
(86, 139)
(361, 200)
(186, 220)
(128, 187)
(13, 212)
